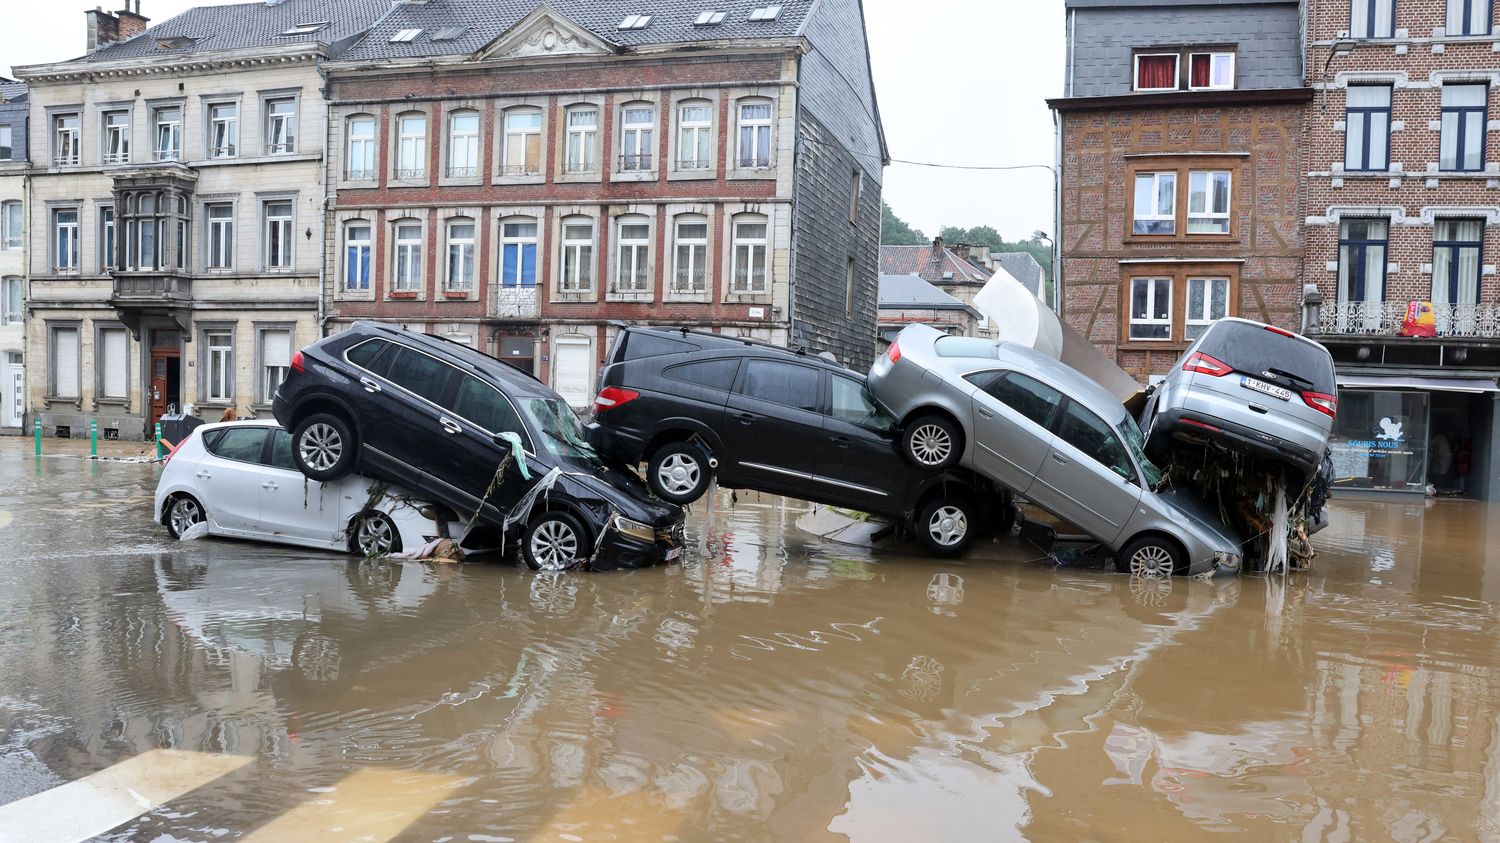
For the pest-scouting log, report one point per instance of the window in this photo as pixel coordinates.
(275, 361)
(219, 238)
(1468, 17)
(155, 230)
(65, 239)
(1367, 130)
(411, 146)
(1151, 308)
(713, 374)
(113, 364)
(241, 444)
(694, 135)
(7, 151)
(223, 129)
(1031, 398)
(639, 122)
(1156, 72)
(218, 367)
(460, 275)
(116, 137)
(852, 403)
(278, 234)
(408, 257)
(755, 135)
(357, 256)
(1372, 19)
(281, 126)
(635, 22)
(786, 384)
(15, 310)
(856, 186)
(1155, 203)
(765, 13)
(167, 133)
(518, 253)
(305, 28)
(849, 288)
(481, 404)
(417, 373)
(1457, 249)
(1208, 202)
(64, 140)
(64, 369)
(577, 255)
(463, 144)
(1362, 264)
(1207, 301)
(709, 19)
(749, 270)
(360, 164)
(690, 267)
(405, 35)
(1210, 71)
(1464, 115)
(1095, 439)
(582, 141)
(633, 261)
(11, 225)
(523, 143)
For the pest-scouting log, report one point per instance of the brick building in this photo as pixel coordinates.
(519, 175)
(1180, 157)
(1403, 205)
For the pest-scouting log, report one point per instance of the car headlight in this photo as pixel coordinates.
(1227, 561)
(635, 529)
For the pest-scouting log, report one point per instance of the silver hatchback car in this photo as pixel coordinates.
(1051, 435)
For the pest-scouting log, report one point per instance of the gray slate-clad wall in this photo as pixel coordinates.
(838, 132)
(1106, 34)
(13, 114)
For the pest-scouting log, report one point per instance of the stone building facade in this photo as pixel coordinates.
(13, 203)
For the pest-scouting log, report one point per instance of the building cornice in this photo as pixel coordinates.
(686, 50)
(1183, 99)
(79, 70)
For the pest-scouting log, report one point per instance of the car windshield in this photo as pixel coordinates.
(1136, 442)
(562, 433)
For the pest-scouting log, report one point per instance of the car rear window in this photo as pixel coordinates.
(964, 347)
(242, 444)
(781, 383)
(714, 374)
(639, 344)
(1253, 349)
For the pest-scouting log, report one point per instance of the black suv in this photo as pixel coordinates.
(691, 404)
(439, 417)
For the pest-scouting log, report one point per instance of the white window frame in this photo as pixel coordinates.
(7, 142)
(12, 225)
(1370, 9)
(286, 223)
(520, 241)
(411, 147)
(116, 137)
(638, 139)
(226, 143)
(360, 160)
(65, 232)
(1150, 308)
(632, 257)
(1205, 317)
(1478, 11)
(65, 139)
(756, 268)
(1155, 212)
(1213, 67)
(281, 127)
(166, 134)
(462, 251)
(527, 136)
(104, 361)
(576, 260)
(1135, 74)
(54, 334)
(406, 252)
(695, 135)
(222, 391)
(761, 128)
(362, 281)
(467, 142)
(12, 301)
(1206, 213)
(581, 141)
(266, 369)
(218, 237)
(697, 259)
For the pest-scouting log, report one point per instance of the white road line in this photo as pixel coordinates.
(367, 805)
(113, 796)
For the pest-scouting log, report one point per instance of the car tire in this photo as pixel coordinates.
(183, 511)
(679, 473)
(946, 525)
(553, 540)
(323, 447)
(1151, 557)
(374, 534)
(932, 442)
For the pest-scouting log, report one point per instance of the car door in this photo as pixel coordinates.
(471, 455)
(405, 420)
(858, 465)
(1013, 415)
(772, 425)
(230, 476)
(290, 504)
(1088, 478)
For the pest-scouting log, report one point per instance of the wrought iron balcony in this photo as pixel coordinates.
(519, 302)
(1479, 321)
(639, 162)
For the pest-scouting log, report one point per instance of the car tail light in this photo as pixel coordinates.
(894, 352)
(611, 397)
(297, 364)
(1322, 402)
(1206, 365)
(1284, 332)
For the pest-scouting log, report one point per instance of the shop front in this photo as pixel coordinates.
(1415, 435)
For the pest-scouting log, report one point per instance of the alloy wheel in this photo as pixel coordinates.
(554, 545)
(948, 525)
(1152, 562)
(185, 513)
(931, 444)
(375, 536)
(679, 474)
(321, 447)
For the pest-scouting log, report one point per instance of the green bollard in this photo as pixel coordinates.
(161, 450)
(38, 427)
(93, 438)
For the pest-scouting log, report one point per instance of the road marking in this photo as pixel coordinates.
(367, 805)
(113, 796)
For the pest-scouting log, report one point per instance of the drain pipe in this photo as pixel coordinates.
(323, 207)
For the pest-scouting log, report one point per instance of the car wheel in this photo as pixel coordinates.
(375, 534)
(553, 541)
(323, 447)
(1150, 557)
(932, 442)
(183, 512)
(946, 525)
(678, 473)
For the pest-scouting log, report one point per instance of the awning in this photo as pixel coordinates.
(1471, 385)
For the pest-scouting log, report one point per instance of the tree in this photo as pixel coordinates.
(895, 232)
(979, 235)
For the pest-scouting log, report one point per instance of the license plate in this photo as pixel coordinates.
(673, 553)
(1266, 388)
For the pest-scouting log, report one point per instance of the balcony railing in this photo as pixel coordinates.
(687, 164)
(639, 162)
(361, 175)
(462, 172)
(521, 170)
(411, 173)
(150, 289)
(519, 302)
(1385, 318)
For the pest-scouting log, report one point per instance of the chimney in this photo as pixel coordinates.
(960, 250)
(131, 23)
(103, 29)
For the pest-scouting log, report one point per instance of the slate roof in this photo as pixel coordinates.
(485, 20)
(919, 260)
(910, 291)
(244, 26)
(1022, 267)
(11, 90)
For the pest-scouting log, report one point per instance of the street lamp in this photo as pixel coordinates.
(1055, 258)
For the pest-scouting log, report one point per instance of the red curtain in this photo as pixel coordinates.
(1200, 71)
(1156, 72)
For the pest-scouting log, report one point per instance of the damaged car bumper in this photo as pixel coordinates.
(1190, 424)
(631, 544)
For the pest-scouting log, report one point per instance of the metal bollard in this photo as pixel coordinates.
(161, 450)
(38, 428)
(93, 438)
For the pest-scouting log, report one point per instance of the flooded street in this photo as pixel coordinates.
(771, 687)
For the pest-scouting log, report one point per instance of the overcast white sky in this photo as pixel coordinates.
(959, 81)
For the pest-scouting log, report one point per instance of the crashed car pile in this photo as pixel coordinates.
(403, 440)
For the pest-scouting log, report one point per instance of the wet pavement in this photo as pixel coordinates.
(771, 687)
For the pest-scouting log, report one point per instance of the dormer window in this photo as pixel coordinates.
(765, 13)
(635, 22)
(177, 42)
(710, 18)
(305, 28)
(1161, 70)
(1211, 71)
(1156, 72)
(405, 35)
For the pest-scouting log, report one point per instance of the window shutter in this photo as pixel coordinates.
(114, 358)
(276, 348)
(65, 361)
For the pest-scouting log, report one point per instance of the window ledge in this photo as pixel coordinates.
(756, 173)
(528, 178)
(747, 298)
(408, 183)
(643, 296)
(576, 178)
(358, 184)
(1180, 239)
(460, 181)
(634, 175)
(354, 295)
(581, 296)
(458, 295)
(693, 298)
(692, 175)
(409, 295)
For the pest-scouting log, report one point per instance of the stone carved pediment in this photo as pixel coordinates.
(544, 32)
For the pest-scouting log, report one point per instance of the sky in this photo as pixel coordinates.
(959, 81)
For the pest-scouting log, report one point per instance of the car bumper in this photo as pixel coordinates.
(1190, 423)
(616, 444)
(619, 551)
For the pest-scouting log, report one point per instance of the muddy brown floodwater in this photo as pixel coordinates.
(771, 687)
